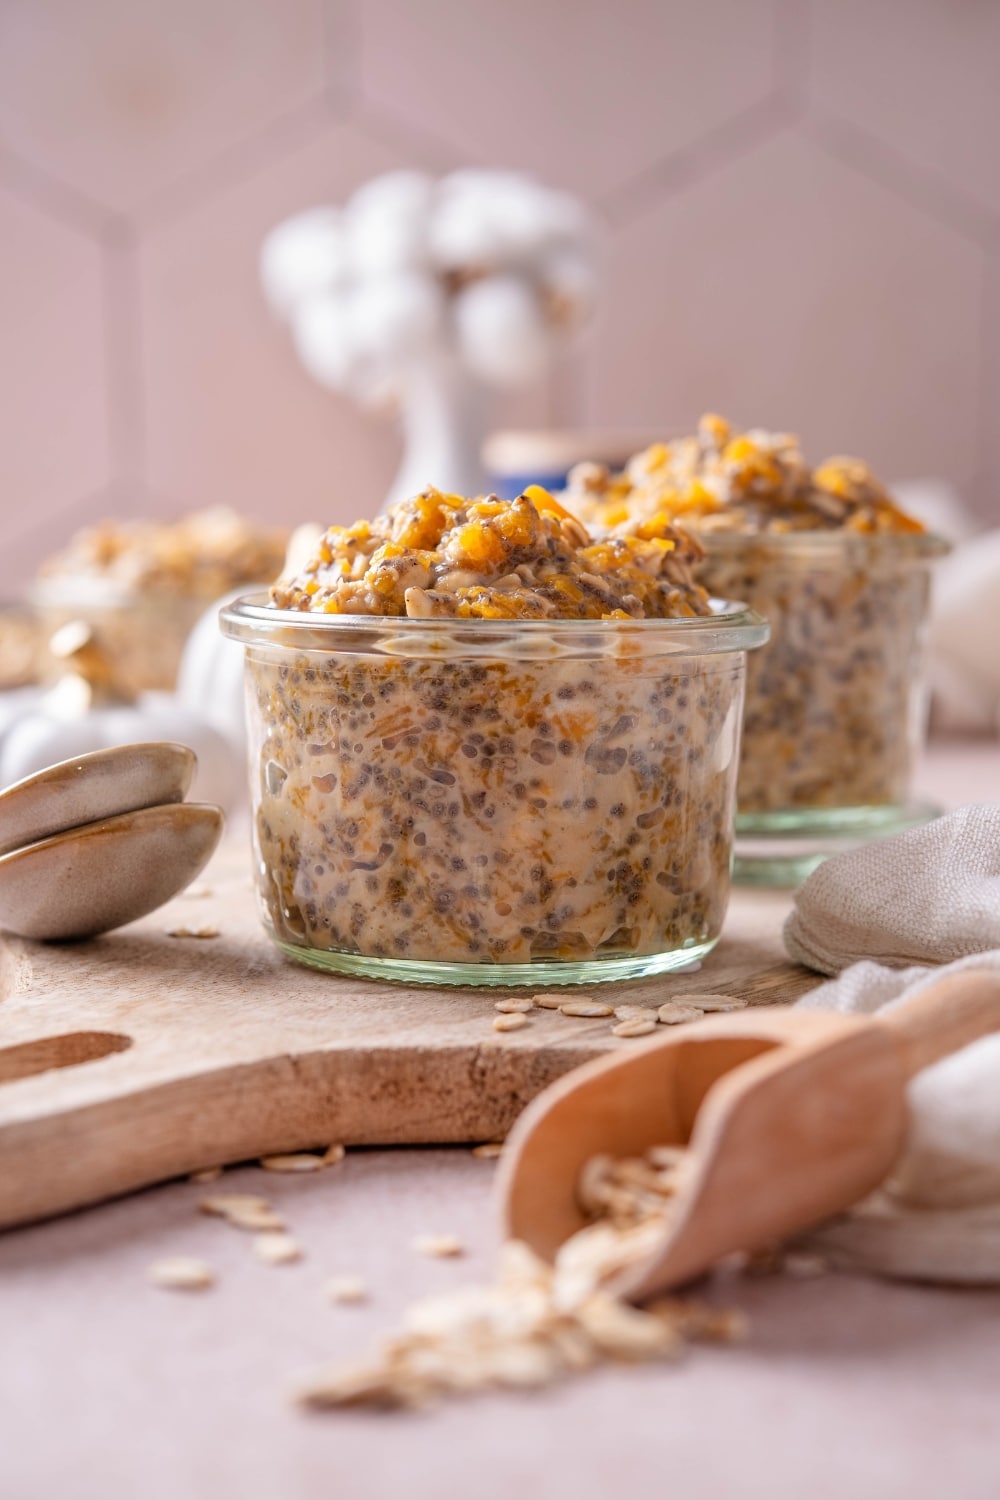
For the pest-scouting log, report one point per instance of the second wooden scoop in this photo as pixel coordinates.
(790, 1117)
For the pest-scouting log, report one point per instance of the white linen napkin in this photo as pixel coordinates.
(963, 663)
(927, 896)
(937, 1217)
(926, 902)
(952, 1157)
(963, 660)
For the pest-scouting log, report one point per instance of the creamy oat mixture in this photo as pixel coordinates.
(445, 805)
(834, 709)
(439, 555)
(833, 712)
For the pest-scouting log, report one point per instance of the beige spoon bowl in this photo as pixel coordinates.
(92, 787)
(91, 879)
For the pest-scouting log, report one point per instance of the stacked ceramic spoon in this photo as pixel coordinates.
(100, 840)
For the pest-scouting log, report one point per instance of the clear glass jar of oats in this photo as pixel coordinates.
(835, 706)
(479, 757)
(143, 585)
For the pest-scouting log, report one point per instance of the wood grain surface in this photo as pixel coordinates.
(140, 1056)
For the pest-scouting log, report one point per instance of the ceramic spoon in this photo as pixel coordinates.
(790, 1117)
(106, 873)
(89, 787)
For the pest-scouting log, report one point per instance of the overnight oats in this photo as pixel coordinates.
(834, 710)
(487, 749)
(144, 584)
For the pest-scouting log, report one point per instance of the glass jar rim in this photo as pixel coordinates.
(732, 626)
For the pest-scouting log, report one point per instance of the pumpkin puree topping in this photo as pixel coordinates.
(717, 479)
(441, 555)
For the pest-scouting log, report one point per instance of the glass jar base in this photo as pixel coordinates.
(540, 976)
(781, 848)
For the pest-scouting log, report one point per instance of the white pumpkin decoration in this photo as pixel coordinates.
(86, 711)
(210, 682)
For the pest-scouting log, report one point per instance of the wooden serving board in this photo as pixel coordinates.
(141, 1056)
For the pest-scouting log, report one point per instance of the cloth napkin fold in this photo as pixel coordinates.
(927, 903)
(963, 661)
(937, 1217)
(952, 1157)
(927, 896)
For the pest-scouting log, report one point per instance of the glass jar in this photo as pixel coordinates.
(493, 802)
(835, 705)
(143, 632)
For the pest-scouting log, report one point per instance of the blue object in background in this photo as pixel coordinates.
(545, 456)
(509, 486)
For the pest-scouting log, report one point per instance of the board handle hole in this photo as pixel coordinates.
(67, 1051)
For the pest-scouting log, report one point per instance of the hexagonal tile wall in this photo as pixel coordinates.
(921, 76)
(120, 98)
(587, 95)
(232, 416)
(53, 392)
(29, 537)
(788, 291)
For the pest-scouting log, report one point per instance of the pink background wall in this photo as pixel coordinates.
(801, 200)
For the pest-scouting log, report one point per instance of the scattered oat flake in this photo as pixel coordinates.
(520, 1332)
(276, 1249)
(181, 1273)
(635, 1012)
(591, 1183)
(243, 1211)
(804, 1265)
(696, 1320)
(513, 1007)
(223, 1205)
(539, 1323)
(193, 932)
(196, 892)
(333, 1154)
(548, 1002)
(206, 1174)
(585, 1009)
(348, 1289)
(256, 1220)
(439, 1246)
(358, 1385)
(666, 1156)
(510, 1023)
(767, 1261)
(710, 1003)
(625, 1332)
(489, 1149)
(634, 1026)
(524, 1365)
(675, 1014)
(299, 1161)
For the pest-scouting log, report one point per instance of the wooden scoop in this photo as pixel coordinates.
(790, 1117)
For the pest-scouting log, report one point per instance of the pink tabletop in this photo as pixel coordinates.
(110, 1388)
